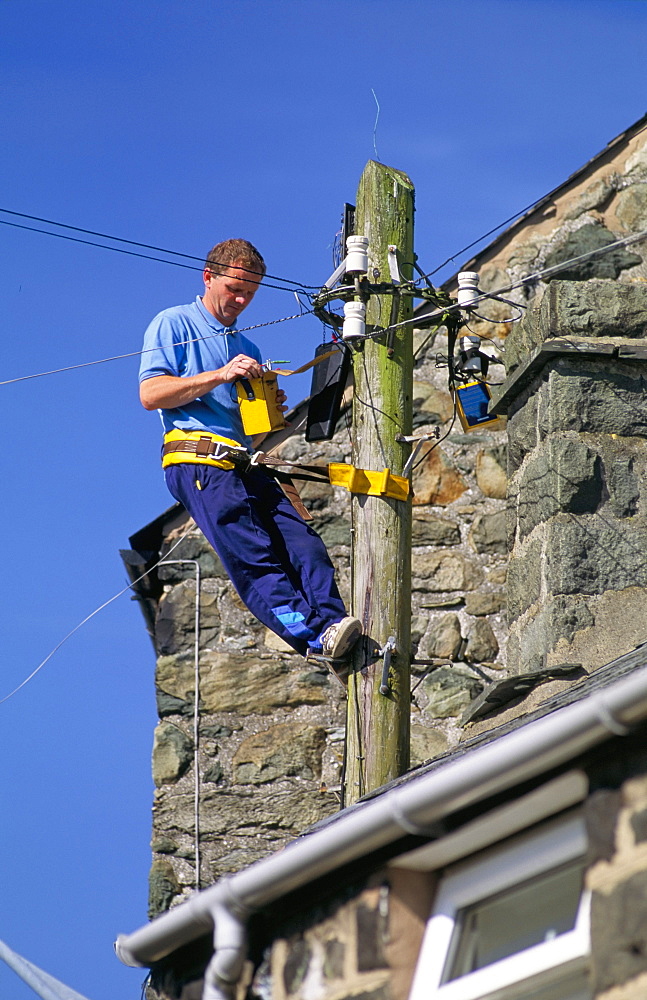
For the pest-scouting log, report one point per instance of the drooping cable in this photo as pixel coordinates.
(435, 314)
(459, 253)
(91, 615)
(547, 272)
(134, 354)
(144, 256)
(437, 441)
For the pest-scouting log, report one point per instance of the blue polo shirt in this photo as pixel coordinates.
(188, 340)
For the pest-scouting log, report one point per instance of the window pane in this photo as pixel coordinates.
(538, 910)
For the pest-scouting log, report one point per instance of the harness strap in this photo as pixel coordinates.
(206, 448)
(291, 492)
(201, 448)
(307, 473)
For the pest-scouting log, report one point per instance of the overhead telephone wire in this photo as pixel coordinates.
(134, 243)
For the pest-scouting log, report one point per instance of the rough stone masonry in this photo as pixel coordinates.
(577, 428)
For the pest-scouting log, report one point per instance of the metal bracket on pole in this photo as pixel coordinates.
(387, 651)
(392, 260)
(336, 275)
(394, 271)
(410, 439)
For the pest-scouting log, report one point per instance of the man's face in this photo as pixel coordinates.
(226, 295)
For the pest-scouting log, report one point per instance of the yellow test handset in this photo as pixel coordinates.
(258, 407)
(259, 410)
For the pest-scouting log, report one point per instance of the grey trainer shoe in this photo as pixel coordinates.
(338, 639)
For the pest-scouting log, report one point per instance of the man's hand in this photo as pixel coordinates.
(281, 400)
(239, 367)
(166, 392)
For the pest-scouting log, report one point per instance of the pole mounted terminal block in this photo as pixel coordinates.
(387, 652)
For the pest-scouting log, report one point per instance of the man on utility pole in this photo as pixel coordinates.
(192, 356)
(377, 747)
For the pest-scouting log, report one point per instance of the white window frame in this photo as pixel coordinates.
(494, 871)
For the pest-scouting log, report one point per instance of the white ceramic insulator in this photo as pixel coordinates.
(470, 344)
(357, 255)
(468, 289)
(354, 320)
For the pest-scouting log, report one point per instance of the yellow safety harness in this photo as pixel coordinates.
(200, 448)
(205, 448)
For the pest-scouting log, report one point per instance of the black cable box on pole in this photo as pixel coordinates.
(329, 379)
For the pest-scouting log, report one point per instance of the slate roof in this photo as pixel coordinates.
(539, 205)
(597, 681)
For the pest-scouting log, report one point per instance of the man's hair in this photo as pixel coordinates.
(235, 252)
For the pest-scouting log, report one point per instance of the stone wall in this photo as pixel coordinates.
(578, 474)
(362, 944)
(603, 202)
(616, 814)
(575, 435)
(270, 733)
(458, 560)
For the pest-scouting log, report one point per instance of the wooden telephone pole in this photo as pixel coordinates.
(377, 740)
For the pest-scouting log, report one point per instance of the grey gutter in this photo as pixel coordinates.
(509, 760)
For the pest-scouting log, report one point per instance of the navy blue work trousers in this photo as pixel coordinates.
(275, 560)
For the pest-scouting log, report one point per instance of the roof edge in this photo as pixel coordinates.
(535, 748)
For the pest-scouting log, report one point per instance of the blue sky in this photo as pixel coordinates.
(178, 124)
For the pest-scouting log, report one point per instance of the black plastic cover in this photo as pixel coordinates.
(329, 379)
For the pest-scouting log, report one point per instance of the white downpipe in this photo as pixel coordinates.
(226, 965)
(411, 807)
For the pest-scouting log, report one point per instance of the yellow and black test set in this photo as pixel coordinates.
(259, 410)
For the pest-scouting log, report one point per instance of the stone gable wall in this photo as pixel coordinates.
(363, 944)
(617, 880)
